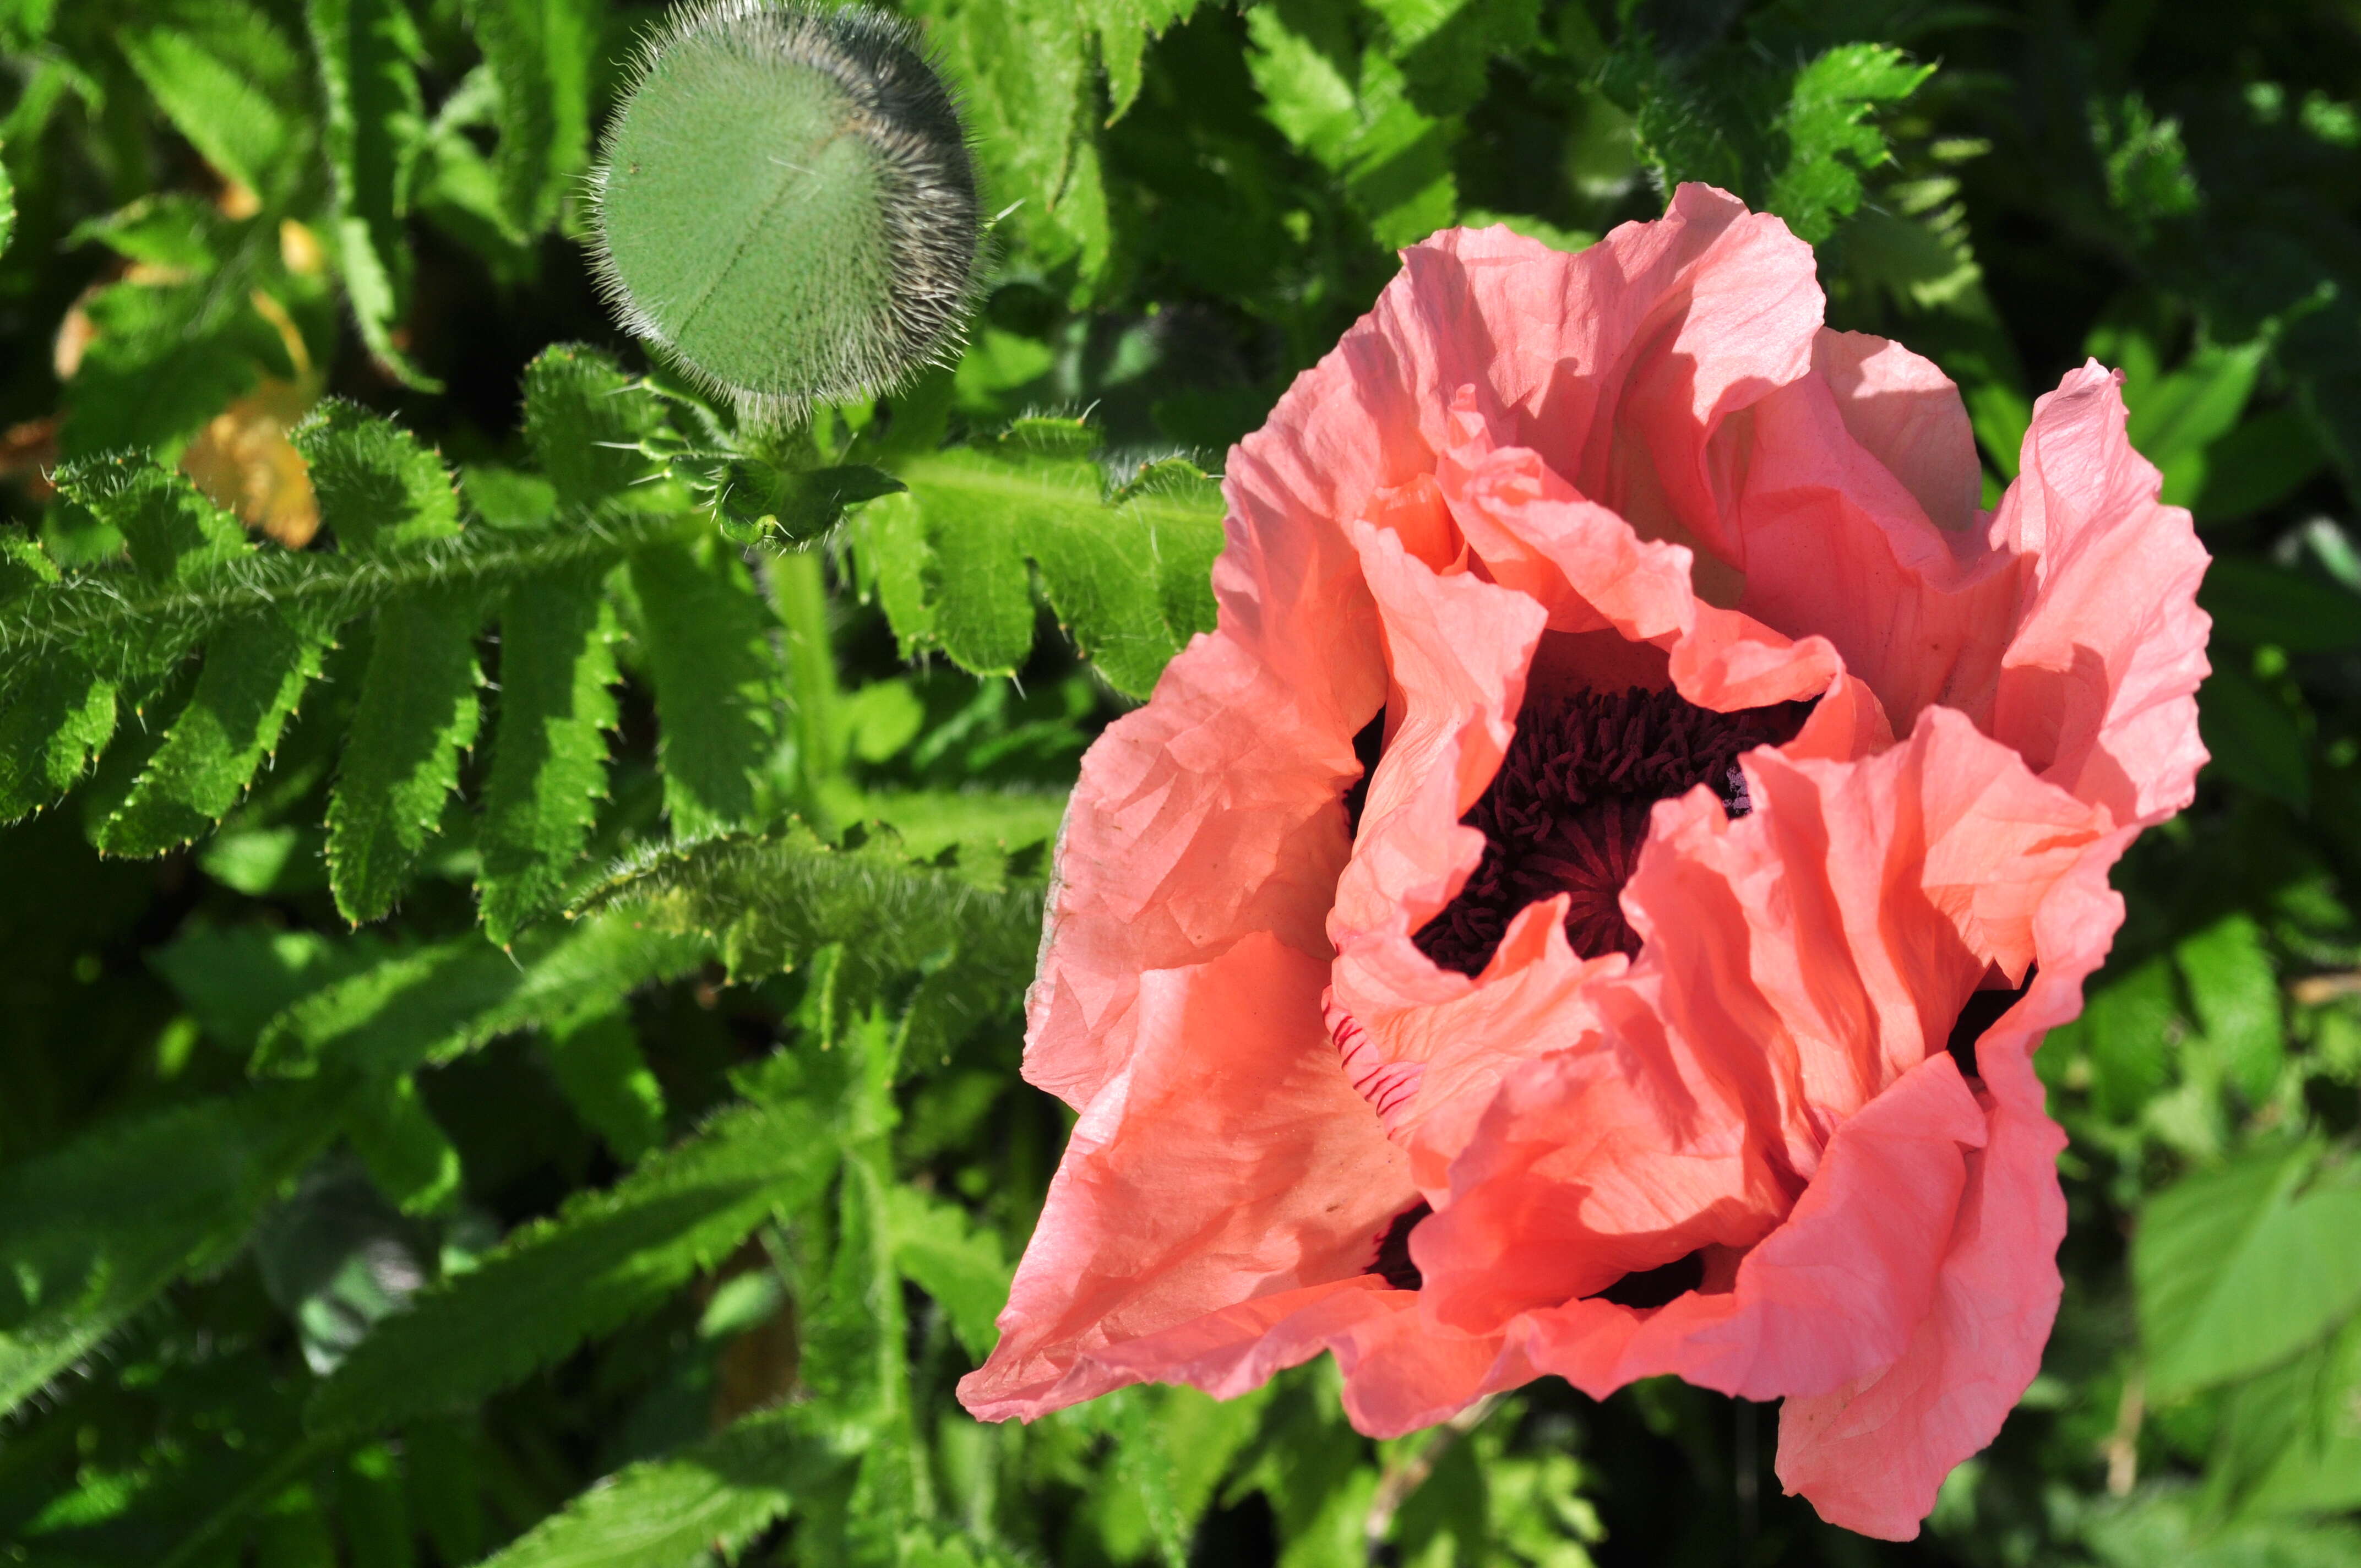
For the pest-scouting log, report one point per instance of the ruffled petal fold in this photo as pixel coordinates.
(2098, 687)
(1871, 1455)
(1834, 1293)
(1229, 1160)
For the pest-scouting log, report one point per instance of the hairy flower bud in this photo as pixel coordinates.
(786, 203)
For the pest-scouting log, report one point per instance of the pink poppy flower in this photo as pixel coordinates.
(1662, 998)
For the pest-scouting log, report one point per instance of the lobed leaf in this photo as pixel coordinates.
(1128, 574)
(944, 1253)
(255, 672)
(769, 903)
(711, 1497)
(419, 710)
(231, 82)
(53, 724)
(428, 1004)
(538, 53)
(380, 489)
(710, 656)
(605, 1258)
(549, 753)
(374, 123)
(589, 425)
(95, 1230)
(595, 1059)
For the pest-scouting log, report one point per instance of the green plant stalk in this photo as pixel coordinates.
(799, 591)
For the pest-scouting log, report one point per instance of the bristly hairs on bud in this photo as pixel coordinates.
(786, 204)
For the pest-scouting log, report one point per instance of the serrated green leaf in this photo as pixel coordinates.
(2290, 1438)
(606, 1258)
(380, 489)
(254, 674)
(549, 753)
(419, 710)
(1307, 80)
(95, 1229)
(711, 1497)
(173, 535)
(2259, 465)
(2241, 1267)
(1130, 580)
(169, 230)
(596, 1062)
(587, 422)
(1125, 29)
(128, 628)
(2179, 415)
(1828, 139)
(428, 1004)
(1022, 76)
(893, 559)
(770, 902)
(938, 1248)
(1353, 109)
(53, 725)
(538, 53)
(2166, 1524)
(716, 677)
(231, 82)
(759, 503)
(376, 121)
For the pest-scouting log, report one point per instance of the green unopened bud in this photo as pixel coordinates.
(786, 203)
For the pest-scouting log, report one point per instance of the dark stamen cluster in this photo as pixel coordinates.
(1569, 810)
(1394, 1266)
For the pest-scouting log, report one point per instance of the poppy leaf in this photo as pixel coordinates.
(95, 1229)
(716, 677)
(604, 1259)
(938, 1248)
(420, 706)
(549, 749)
(2239, 1269)
(380, 487)
(707, 1497)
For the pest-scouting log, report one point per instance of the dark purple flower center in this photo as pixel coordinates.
(1569, 810)
(1394, 1266)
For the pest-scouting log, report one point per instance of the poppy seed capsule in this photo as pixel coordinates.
(786, 207)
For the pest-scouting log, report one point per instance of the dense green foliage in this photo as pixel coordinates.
(518, 889)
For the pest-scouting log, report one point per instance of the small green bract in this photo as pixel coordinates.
(786, 203)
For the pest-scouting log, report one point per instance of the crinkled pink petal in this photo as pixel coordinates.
(1399, 1374)
(1907, 414)
(1872, 1455)
(1228, 1160)
(1209, 813)
(1593, 571)
(1589, 1164)
(1818, 948)
(1457, 647)
(1835, 541)
(1649, 466)
(2097, 689)
(1835, 1293)
(1528, 1003)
